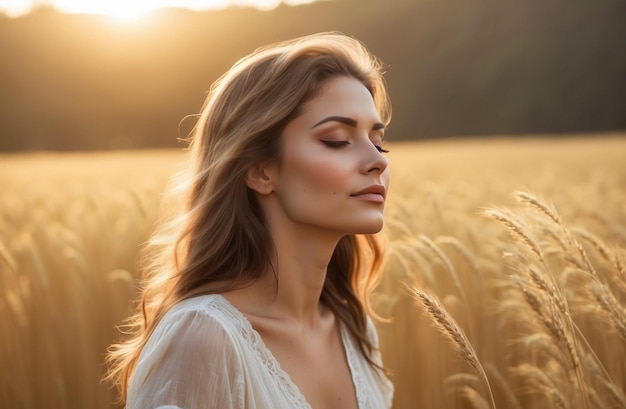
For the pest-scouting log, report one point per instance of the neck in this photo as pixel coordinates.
(302, 274)
(291, 287)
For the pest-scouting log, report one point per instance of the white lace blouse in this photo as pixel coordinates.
(204, 354)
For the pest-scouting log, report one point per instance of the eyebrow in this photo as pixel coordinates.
(347, 121)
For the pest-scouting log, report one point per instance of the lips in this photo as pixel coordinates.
(374, 193)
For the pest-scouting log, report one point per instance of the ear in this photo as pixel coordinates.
(260, 178)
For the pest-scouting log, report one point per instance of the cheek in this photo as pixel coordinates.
(327, 178)
(317, 174)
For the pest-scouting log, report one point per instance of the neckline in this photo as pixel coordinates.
(267, 358)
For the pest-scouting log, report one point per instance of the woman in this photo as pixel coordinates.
(256, 295)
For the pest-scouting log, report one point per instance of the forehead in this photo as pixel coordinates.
(345, 96)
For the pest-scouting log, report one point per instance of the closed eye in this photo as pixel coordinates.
(336, 144)
(381, 149)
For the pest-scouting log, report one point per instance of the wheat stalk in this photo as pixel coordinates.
(461, 248)
(546, 310)
(555, 397)
(505, 387)
(448, 326)
(594, 241)
(474, 398)
(550, 290)
(544, 342)
(537, 377)
(447, 263)
(515, 228)
(614, 392)
(609, 304)
(620, 267)
(539, 204)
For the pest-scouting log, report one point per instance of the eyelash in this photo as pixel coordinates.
(336, 144)
(341, 144)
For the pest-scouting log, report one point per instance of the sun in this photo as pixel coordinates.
(120, 9)
(129, 12)
(126, 13)
(132, 9)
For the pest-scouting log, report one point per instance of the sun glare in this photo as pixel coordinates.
(126, 10)
(132, 9)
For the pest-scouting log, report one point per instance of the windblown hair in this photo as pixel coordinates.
(217, 238)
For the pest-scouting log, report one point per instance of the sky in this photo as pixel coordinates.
(131, 8)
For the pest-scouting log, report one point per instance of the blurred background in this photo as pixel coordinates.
(90, 75)
(501, 95)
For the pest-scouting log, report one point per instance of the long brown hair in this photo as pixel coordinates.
(217, 237)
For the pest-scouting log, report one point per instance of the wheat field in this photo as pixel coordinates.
(504, 287)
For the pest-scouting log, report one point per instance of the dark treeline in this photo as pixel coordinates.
(455, 68)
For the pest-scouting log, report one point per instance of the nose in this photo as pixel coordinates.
(373, 160)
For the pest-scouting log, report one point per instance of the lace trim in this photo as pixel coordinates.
(353, 363)
(254, 341)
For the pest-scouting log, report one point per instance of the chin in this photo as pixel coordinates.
(372, 227)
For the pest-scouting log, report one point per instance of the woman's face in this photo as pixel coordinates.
(333, 174)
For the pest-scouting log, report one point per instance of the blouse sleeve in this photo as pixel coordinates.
(384, 384)
(189, 362)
